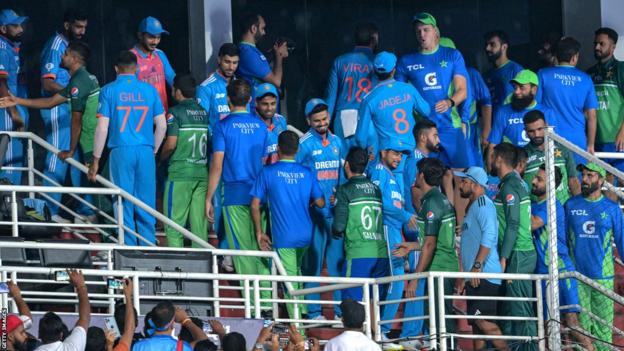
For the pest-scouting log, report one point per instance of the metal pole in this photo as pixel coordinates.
(367, 311)
(274, 291)
(256, 286)
(120, 220)
(554, 327)
(31, 167)
(15, 228)
(215, 286)
(540, 314)
(136, 298)
(4, 301)
(376, 313)
(441, 313)
(246, 296)
(433, 337)
(110, 267)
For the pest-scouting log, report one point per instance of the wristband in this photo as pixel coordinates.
(186, 320)
(452, 102)
(258, 346)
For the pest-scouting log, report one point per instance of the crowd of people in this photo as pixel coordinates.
(402, 156)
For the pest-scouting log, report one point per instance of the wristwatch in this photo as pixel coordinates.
(452, 102)
(477, 265)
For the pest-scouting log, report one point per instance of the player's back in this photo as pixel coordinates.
(131, 106)
(354, 73)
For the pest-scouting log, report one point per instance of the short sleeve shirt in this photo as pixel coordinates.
(437, 218)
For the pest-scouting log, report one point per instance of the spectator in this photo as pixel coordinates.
(132, 162)
(352, 339)
(571, 94)
(96, 339)
(233, 341)
(288, 188)
(498, 79)
(253, 66)
(160, 327)
(16, 338)
(594, 223)
(187, 148)
(239, 150)
(185, 333)
(154, 67)
(517, 252)
(51, 325)
(205, 345)
(479, 253)
(128, 324)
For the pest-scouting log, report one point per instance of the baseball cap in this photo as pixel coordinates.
(8, 16)
(526, 76)
(12, 322)
(384, 62)
(476, 174)
(312, 103)
(264, 89)
(592, 167)
(425, 18)
(152, 26)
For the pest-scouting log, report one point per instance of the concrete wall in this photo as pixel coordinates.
(611, 12)
(580, 19)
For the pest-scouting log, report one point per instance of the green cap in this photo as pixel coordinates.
(447, 42)
(592, 167)
(526, 76)
(425, 18)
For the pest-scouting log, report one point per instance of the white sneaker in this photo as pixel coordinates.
(227, 264)
(387, 345)
(413, 344)
(59, 219)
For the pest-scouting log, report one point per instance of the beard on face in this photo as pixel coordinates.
(492, 57)
(465, 194)
(431, 147)
(494, 170)
(20, 345)
(598, 55)
(588, 189)
(520, 103)
(537, 141)
(539, 192)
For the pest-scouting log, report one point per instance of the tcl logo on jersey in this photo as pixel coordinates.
(415, 67)
(589, 227)
(431, 79)
(579, 212)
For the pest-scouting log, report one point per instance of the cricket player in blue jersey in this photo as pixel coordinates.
(568, 288)
(12, 118)
(57, 120)
(211, 93)
(254, 66)
(570, 93)
(594, 223)
(439, 74)
(394, 217)
(289, 188)
(350, 79)
(127, 113)
(498, 79)
(323, 153)
(239, 151)
(266, 104)
(212, 96)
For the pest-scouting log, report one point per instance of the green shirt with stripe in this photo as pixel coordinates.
(357, 214)
(83, 93)
(608, 81)
(513, 210)
(437, 218)
(563, 160)
(188, 121)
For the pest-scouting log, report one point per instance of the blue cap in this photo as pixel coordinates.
(312, 103)
(384, 62)
(8, 16)
(263, 89)
(476, 174)
(152, 26)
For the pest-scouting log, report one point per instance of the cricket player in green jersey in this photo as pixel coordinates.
(515, 240)
(186, 148)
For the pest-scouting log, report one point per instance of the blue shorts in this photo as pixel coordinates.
(610, 147)
(365, 268)
(457, 149)
(568, 296)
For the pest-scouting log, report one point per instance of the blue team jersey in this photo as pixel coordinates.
(432, 75)
(498, 82)
(242, 137)
(508, 124)
(212, 96)
(350, 78)
(253, 65)
(131, 106)
(278, 125)
(591, 227)
(9, 62)
(51, 61)
(479, 94)
(492, 187)
(288, 187)
(540, 238)
(390, 108)
(394, 213)
(325, 157)
(569, 92)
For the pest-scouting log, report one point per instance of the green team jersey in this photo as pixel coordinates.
(563, 160)
(83, 93)
(513, 210)
(188, 121)
(609, 83)
(358, 214)
(437, 218)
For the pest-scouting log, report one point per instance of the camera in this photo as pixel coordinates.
(290, 44)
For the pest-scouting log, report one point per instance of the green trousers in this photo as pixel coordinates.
(292, 260)
(599, 305)
(240, 235)
(520, 262)
(185, 202)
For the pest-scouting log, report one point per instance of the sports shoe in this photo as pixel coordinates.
(59, 219)
(386, 344)
(411, 344)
